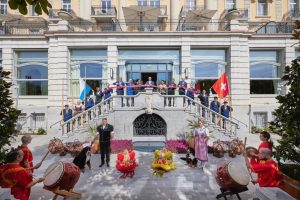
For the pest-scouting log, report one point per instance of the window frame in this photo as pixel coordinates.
(232, 3)
(106, 4)
(29, 62)
(257, 8)
(4, 6)
(256, 115)
(142, 3)
(155, 3)
(68, 6)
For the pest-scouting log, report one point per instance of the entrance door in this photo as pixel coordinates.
(146, 75)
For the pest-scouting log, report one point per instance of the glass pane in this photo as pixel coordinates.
(263, 86)
(148, 67)
(32, 72)
(263, 55)
(33, 88)
(90, 70)
(162, 67)
(33, 54)
(297, 53)
(207, 70)
(88, 53)
(209, 54)
(154, 2)
(263, 71)
(135, 67)
(135, 77)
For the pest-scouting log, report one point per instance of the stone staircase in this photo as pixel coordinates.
(120, 108)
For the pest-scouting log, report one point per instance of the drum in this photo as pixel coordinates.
(56, 146)
(232, 176)
(61, 174)
(250, 151)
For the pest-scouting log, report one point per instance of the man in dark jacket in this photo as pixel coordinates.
(204, 101)
(67, 114)
(106, 133)
(120, 86)
(215, 106)
(182, 86)
(99, 95)
(89, 102)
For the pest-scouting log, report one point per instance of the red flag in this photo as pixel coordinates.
(221, 86)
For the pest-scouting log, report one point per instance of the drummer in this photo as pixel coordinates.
(27, 158)
(268, 173)
(265, 141)
(16, 177)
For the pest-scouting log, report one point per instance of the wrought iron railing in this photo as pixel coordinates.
(272, 27)
(103, 11)
(24, 28)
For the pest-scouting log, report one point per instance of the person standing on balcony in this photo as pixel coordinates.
(138, 87)
(215, 106)
(67, 114)
(130, 92)
(107, 94)
(225, 111)
(27, 161)
(78, 108)
(182, 86)
(190, 93)
(120, 86)
(163, 88)
(201, 139)
(171, 91)
(150, 83)
(106, 134)
(89, 103)
(204, 101)
(99, 95)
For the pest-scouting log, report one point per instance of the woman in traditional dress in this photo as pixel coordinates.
(201, 139)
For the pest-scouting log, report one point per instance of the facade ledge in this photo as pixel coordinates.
(263, 96)
(31, 97)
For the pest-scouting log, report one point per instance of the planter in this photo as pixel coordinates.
(231, 15)
(191, 142)
(291, 186)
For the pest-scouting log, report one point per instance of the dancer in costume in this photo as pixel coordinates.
(126, 163)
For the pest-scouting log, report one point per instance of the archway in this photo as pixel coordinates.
(149, 125)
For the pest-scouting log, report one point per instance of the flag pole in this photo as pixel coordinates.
(230, 101)
(62, 100)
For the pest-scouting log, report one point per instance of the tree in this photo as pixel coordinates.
(287, 115)
(8, 115)
(40, 6)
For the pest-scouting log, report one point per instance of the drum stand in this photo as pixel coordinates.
(225, 193)
(64, 193)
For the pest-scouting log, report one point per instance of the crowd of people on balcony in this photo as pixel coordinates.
(130, 88)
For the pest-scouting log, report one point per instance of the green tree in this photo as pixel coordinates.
(287, 115)
(8, 115)
(39, 5)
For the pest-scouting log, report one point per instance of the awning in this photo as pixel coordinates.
(141, 15)
(199, 17)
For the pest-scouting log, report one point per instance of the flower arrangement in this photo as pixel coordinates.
(177, 146)
(120, 145)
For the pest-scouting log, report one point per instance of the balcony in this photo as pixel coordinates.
(102, 14)
(53, 16)
(272, 27)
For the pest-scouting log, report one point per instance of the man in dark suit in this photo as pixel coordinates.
(98, 94)
(120, 86)
(150, 83)
(182, 86)
(106, 133)
(204, 101)
(171, 91)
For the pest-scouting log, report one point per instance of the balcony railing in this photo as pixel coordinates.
(54, 16)
(103, 11)
(23, 29)
(272, 27)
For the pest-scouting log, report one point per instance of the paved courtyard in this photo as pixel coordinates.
(104, 183)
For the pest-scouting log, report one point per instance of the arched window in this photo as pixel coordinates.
(32, 72)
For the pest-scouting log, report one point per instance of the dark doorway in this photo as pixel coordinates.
(145, 77)
(149, 125)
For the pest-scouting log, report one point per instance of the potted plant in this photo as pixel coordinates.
(41, 131)
(232, 13)
(287, 125)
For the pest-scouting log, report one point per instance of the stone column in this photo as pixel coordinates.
(278, 10)
(112, 62)
(121, 4)
(8, 65)
(238, 77)
(186, 62)
(174, 12)
(58, 79)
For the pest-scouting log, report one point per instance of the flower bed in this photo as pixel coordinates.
(120, 145)
(177, 146)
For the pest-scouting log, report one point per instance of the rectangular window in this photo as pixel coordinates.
(88, 66)
(32, 11)
(297, 53)
(106, 4)
(262, 7)
(142, 2)
(209, 65)
(155, 3)
(67, 5)
(293, 5)
(32, 73)
(38, 120)
(260, 119)
(3, 7)
(230, 4)
(265, 72)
